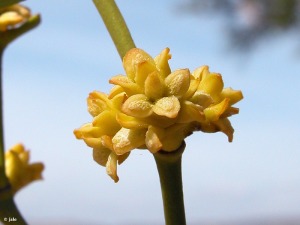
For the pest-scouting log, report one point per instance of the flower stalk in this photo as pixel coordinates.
(169, 170)
(115, 25)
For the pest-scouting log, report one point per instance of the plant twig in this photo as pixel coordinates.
(169, 169)
(115, 25)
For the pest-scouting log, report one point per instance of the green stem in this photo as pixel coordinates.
(3, 179)
(169, 169)
(9, 213)
(8, 208)
(115, 25)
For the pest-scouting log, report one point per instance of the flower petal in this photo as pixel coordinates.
(143, 69)
(224, 126)
(212, 84)
(122, 158)
(190, 112)
(93, 142)
(130, 122)
(213, 113)
(154, 87)
(162, 64)
(87, 131)
(153, 136)
(115, 90)
(128, 86)
(194, 83)
(201, 72)
(202, 99)
(167, 106)
(97, 103)
(126, 140)
(137, 106)
(178, 82)
(111, 166)
(100, 155)
(134, 57)
(106, 123)
(234, 95)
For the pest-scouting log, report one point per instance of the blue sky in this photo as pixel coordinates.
(49, 72)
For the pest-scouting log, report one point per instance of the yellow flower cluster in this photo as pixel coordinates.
(153, 108)
(12, 16)
(18, 170)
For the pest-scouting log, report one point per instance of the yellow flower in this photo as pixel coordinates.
(99, 134)
(18, 170)
(172, 104)
(12, 16)
(153, 108)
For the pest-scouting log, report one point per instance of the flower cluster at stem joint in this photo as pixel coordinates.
(156, 109)
(18, 170)
(13, 16)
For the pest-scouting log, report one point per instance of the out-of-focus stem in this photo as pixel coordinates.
(115, 25)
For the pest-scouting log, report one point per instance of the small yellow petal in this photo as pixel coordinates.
(201, 72)
(116, 89)
(88, 131)
(97, 103)
(202, 99)
(224, 126)
(212, 84)
(178, 82)
(167, 106)
(117, 101)
(213, 113)
(154, 87)
(137, 106)
(122, 158)
(134, 57)
(106, 123)
(230, 111)
(130, 122)
(162, 64)
(153, 136)
(35, 171)
(190, 112)
(126, 139)
(143, 69)
(100, 155)
(93, 142)
(111, 167)
(128, 86)
(234, 95)
(194, 83)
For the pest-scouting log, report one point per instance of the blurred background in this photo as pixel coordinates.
(49, 72)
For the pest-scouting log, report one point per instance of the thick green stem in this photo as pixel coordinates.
(169, 169)
(3, 179)
(115, 25)
(9, 212)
